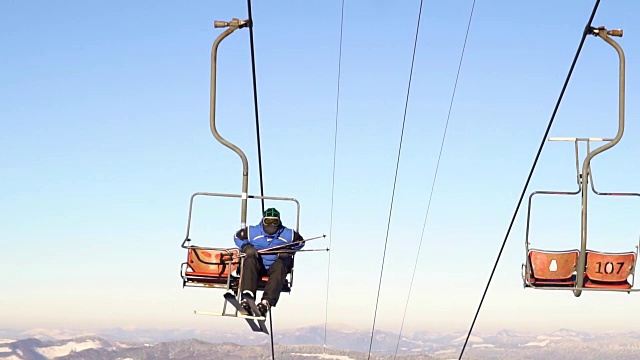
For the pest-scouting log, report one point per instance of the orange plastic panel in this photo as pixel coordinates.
(607, 285)
(205, 279)
(609, 267)
(553, 265)
(211, 262)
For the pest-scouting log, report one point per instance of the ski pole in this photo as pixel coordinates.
(293, 243)
(293, 251)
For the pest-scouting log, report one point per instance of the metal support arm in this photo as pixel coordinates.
(233, 25)
(604, 34)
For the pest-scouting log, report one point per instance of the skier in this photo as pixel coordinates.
(270, 232)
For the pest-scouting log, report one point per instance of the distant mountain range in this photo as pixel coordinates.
(306, 343)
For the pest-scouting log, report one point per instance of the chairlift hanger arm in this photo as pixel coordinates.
(232, 25)
(604, 34)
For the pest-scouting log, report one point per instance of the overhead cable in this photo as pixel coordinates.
(333, 176)
(395, 179)
(435, 176)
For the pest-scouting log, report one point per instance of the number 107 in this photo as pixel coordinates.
(609, 267)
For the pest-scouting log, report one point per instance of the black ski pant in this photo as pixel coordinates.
(253, 269)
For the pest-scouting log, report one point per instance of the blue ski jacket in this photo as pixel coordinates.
(256, 236)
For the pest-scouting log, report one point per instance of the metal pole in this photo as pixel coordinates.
(233, 25)
(604, 34)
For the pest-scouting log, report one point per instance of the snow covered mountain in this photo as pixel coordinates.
(36, 349)
(345, 344)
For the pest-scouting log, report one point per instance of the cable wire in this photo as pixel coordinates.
(255, 97)
(386, 240)
(255, 108)
(435, 176)
(544, 138)
(333, 176)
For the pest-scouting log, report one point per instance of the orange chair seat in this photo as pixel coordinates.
(553, 267)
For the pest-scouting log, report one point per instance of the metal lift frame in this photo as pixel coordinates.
(186, 244)
(231, 26)
(583, 180)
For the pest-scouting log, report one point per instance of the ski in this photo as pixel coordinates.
(246, 315)
(256, 312)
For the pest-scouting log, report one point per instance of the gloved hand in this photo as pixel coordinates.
(285, 256)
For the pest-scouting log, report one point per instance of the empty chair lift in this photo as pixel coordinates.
(584, 269)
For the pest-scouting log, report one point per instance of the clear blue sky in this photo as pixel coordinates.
(104, 136)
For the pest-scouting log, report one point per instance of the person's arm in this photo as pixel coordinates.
(241, 238)
(297, 237)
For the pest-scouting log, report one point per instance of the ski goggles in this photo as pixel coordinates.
(271, 221)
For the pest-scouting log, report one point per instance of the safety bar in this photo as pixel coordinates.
(276, 198)
(527, 243)
(549, 192)
(593, 187)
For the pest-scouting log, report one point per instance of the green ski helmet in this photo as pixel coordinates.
(272, 212)
(271, 221)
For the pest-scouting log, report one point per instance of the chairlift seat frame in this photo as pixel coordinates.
(584, 269)
(213, 267)
(535, 272)
(218, 267)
